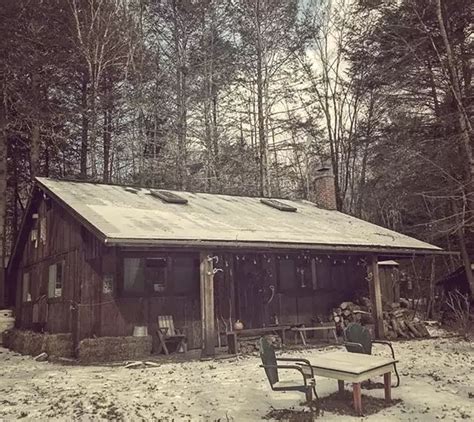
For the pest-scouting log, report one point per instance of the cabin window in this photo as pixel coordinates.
(185, 275)
(55, 279)
(156, 271)
(143, 275)
(26, 287)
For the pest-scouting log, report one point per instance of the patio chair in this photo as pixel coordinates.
(167, 334)
(272, 367)
(358, 340)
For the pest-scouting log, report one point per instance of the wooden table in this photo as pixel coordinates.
(232, 342)
(355, 368)
(301, 331)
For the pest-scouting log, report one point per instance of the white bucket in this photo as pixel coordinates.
(7, 322)
(140, 331)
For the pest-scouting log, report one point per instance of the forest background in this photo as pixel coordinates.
(247, 97)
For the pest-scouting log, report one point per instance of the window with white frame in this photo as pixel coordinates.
(55, 280)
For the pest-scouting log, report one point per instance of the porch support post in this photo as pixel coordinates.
(207, 303)
(376, 297)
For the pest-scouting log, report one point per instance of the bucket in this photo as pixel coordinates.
(7, 322)
(140, 331)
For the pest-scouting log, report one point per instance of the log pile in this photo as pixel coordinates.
(398, 322)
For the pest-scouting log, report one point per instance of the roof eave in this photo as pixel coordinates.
(206, 244)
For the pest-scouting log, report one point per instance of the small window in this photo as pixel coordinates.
(133, 277)
(142, 275)
(26, 287)
(156, 270)
(55, 280)
(185, 275)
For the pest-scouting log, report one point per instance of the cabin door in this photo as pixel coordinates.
(249, 291)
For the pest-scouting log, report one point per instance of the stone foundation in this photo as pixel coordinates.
(108, 349)
(31, 343)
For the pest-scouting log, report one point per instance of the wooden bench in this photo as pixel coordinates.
(232, 336)
(354, 368)
(301, 331)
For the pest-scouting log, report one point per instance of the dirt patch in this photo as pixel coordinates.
(340, 404)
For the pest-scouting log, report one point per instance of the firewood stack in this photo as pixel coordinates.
(398, 322)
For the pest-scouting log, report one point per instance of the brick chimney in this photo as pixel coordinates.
(324, 190)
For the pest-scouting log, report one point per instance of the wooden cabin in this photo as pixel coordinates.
(97, 260)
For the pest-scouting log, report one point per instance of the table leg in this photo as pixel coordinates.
(387, 382)
(340, 385)
(283, 337)
(303, 338)
(357, 395)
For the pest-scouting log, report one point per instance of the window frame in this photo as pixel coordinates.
(56, 297)
(147, 290)
(171, 282)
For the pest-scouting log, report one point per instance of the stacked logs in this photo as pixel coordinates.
(398, 322)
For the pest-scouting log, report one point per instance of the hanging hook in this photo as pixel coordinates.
(213, 258)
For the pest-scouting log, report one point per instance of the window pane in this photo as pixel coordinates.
(52, 280)
(185, 275)
(156, 273)
(58, 291)
(286, 274)
(133, 275)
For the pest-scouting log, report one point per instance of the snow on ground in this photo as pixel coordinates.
(437, 383)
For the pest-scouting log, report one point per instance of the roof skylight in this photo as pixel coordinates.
(168, 197)
(130, 189)
(278, 205)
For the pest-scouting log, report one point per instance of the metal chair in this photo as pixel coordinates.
(272, 367)
(358, 340)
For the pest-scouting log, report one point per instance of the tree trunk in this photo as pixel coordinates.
(3, 192)
(85, 127)
(107, 131)
(260, 112)
(35, 130)
(106, 138)
(181, 106)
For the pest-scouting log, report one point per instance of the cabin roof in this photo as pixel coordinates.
(121, 215)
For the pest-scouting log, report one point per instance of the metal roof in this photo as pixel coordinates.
(124, 217)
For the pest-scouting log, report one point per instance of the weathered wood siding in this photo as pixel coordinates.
(63, 240)
(338, 278)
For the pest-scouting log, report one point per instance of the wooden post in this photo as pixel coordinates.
(387, 382)
(376, 297)
(207, 304)
(357, 396)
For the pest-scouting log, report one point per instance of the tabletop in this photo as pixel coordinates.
(350, 363)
